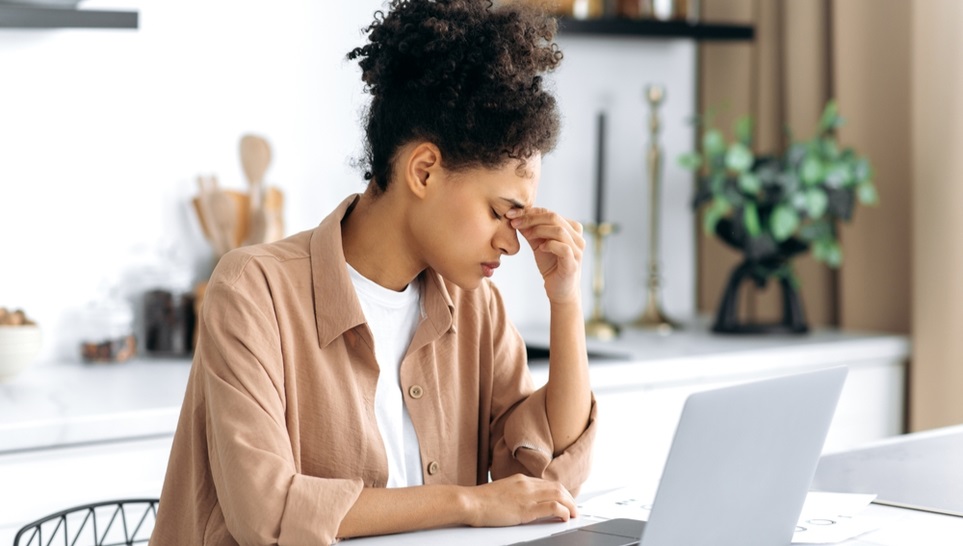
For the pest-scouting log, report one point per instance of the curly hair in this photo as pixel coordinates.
(462, 74)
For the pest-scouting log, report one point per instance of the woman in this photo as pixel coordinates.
(362, 378)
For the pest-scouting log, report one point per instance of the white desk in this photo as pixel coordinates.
(135, 468)
(903, 528)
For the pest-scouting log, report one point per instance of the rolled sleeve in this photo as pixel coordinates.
(526, 446)
(315, 505)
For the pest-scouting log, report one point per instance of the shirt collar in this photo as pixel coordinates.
(336, 305)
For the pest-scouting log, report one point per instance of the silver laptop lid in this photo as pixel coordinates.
(742, 461)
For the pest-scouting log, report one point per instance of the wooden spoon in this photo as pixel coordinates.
(207, 217)
(225, 215)
(255, 158)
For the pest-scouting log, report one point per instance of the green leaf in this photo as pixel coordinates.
(717, 184)
(744, 130)
(739, 158)
(816, 203)
(715, 212)
(713, 143)
(783, 222)
(750, 183)
(811, 171)
(835, 257)
(829, 149)
(866, 192)
(690, 161)
(830, 118)
(814, 231)
(861, 170)
(796, 153)
(828, 251)
(820, 250)
(789, 182)
(839, 175)
(750, 217)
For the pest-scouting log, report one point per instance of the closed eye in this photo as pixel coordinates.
(495, 215)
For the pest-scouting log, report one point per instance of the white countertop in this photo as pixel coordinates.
(73, 403)
(647, 358)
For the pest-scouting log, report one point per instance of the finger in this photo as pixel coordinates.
(522, 218)
(572, 227)
(550, 232)
(568, 501)
(579, 233)
(577, 226)
(558, 510)
(562, 251)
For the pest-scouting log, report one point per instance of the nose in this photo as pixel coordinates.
(506, 240)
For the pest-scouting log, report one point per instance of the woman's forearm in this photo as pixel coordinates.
(568, 394)
(510, 501)
(382, 511)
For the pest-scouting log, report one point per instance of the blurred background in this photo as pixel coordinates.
(104, 132)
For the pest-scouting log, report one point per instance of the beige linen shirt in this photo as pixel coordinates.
(277, 434)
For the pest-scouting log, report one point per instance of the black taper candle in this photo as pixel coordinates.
(600, 169)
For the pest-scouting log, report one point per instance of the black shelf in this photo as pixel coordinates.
(654, 29)
(27, 17)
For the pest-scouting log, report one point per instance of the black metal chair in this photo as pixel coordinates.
(108, 523)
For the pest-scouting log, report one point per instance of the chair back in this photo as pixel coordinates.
(108, 523)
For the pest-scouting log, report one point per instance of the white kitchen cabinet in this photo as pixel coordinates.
(641, 382)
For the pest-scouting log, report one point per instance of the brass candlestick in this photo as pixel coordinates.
(653, 316)
(598, 326)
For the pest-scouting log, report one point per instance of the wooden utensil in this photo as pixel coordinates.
(241, 201)
(225, 215)
(208, 222)
(255, 158)
(274, 213)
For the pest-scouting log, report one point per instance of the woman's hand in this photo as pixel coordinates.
(558, 245)
(518, 499)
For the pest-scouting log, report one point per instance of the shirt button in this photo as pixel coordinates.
(416, 392)
(433, 468)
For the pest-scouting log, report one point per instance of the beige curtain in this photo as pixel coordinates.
(936, 385)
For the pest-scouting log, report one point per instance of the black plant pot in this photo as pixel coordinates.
(764, 261)
(727, 319)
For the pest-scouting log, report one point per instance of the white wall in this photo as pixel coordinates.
(102, 133)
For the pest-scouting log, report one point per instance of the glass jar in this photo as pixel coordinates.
(169, 322)
(108, 332)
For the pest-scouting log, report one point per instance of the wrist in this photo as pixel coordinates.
(463, 500)
(571, 305)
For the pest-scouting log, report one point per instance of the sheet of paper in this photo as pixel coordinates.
(826, 518)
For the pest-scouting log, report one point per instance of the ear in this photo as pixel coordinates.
(423, 168)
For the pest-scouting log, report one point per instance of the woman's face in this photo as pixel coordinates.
(466, 232)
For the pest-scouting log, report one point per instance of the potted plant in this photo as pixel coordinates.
(772, 208)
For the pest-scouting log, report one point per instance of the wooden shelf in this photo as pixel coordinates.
(28, 17)
(654, 29)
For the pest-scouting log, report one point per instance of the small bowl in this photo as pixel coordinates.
(19, 346)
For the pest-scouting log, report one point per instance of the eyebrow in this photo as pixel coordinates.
(515, 204)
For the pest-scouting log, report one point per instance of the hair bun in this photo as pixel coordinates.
(459, 66)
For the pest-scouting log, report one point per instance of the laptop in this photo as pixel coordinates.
(738, 471)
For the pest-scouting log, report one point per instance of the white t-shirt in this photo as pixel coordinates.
(393, 318)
